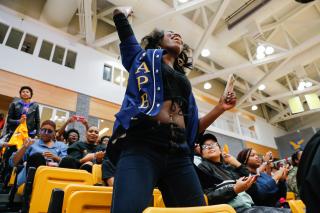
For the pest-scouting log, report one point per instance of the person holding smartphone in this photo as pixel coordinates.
(268, 189)
(159, 121)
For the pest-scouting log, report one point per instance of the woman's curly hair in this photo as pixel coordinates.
(153, 40)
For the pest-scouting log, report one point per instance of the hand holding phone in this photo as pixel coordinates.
(229, 87)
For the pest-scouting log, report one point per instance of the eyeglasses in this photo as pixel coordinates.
(46, 131)
(210, 146)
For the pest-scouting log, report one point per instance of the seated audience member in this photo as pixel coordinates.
(223, 179)
(72, 135)
(89, 152)
(267, 190)
(37, 152)
(108, 171)
(292, 176)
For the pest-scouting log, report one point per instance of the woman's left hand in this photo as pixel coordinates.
(228, 102)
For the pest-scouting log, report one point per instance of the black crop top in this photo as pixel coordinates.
(176, 87)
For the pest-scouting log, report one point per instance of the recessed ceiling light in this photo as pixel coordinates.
(254, 107)
(262, 87)
(260, 56)
(308, 84)
(207, 85)
(183, 1)
(261, 49)
(269, 50)
(205, 53)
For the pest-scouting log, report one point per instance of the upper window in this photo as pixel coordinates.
(58, 55)
(3, 31)
(46, 49)
(107, 72)
(29, 44)
(14, 38)
(71, 59)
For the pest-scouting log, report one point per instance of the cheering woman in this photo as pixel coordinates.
(158, 123)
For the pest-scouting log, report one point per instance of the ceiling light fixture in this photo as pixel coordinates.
(183, 1)
(254, 107)
(260, 56)
(262, 87)
(261, 49)
(269, 50)
(207, 85)
(205, 53)
(308, 84)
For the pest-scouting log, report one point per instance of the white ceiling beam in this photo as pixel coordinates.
(172, 12)
(196, 15)
(262, 80)
(88, 21)
(213, 22)
(283, 95)
(297, 115)
(293, 13)
(240, 86)
(249, 65)
(106, 12)
(107, 20)
(275, 119)
(204, 17)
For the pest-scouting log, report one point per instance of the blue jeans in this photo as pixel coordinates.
(145, 163)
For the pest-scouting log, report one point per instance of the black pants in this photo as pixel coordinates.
(155, 154)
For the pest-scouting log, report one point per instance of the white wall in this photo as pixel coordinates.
(86, 78)
(267, 132)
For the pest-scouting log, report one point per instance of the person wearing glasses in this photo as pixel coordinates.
(37, 152)
(225, 180)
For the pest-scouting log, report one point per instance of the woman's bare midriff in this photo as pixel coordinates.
(169, 114)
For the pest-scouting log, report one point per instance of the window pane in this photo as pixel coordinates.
(46, 114)
(60, 118)
(117, 76)
(29, 43)
(14, 38)
(58, 55)
(71, 59)
(107, 73)
(105, 127)
(45, 50)
(3, 31)
(125, 78)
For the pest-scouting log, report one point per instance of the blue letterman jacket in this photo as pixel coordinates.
(144, 93)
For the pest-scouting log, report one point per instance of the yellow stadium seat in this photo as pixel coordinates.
(13, 176)
(71, 188)
(89, 202)
(290, 196)
(20, 189)
(224, 208)
(297, 206)
(48, 178)
(97, 174)
(158, 201)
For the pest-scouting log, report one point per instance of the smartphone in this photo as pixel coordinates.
(230, 85)
(78, 117)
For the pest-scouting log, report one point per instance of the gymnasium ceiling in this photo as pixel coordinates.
(231, 30)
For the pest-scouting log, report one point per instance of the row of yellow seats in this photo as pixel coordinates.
(48, 178)
(83, 196)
